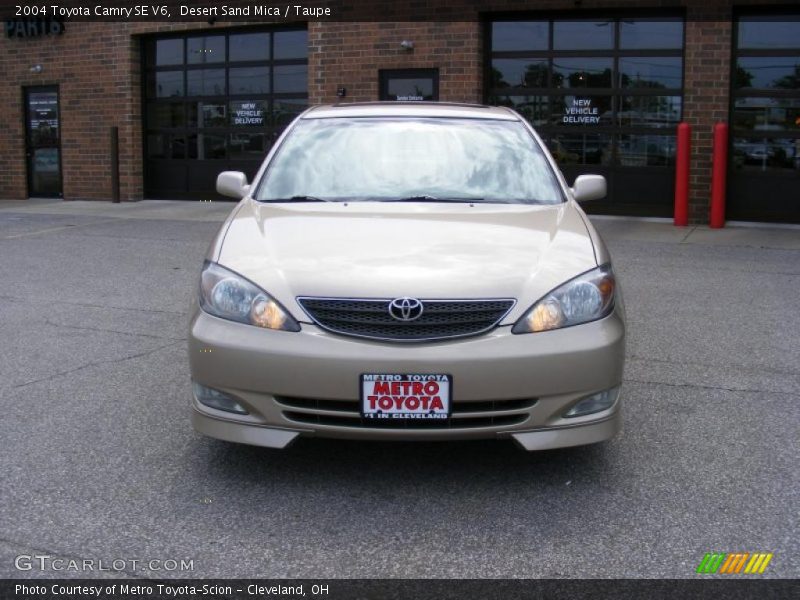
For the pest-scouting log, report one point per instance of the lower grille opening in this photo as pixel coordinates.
(493, 405)
(351, 406)
(466, 423)
(465, 415)
(312, 403)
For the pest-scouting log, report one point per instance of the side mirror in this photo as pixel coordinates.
(589, 187)
(233, 184)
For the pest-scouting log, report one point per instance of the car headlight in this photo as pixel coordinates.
(230, 296)
(586, 298)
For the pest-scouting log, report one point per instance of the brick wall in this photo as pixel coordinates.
(706, 93)
(351, 54)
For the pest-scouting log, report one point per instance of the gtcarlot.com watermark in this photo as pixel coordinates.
(45, 562)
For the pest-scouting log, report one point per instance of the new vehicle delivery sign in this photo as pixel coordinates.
(407, 396)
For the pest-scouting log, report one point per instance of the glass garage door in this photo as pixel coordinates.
(605, 94)
(215, 102)
(764, 165)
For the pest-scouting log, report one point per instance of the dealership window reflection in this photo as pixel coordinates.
(601, 92)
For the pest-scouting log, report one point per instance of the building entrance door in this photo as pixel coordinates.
(43, 141)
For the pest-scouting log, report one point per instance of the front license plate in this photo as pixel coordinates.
(405, 396)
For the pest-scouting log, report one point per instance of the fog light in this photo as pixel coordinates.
(216, 399)
(594, 403)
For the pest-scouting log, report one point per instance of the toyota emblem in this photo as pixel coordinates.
(405, 309)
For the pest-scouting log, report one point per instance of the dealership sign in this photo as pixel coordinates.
(581, 112)
(28, 28)
(247, 113)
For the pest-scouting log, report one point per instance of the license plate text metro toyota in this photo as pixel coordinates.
(403, 396)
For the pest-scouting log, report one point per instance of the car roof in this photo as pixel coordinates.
(411, 109)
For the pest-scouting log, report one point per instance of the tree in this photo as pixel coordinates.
(742, 78)
(789, 82)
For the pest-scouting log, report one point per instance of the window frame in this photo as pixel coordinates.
(270, 129)
(616, 92)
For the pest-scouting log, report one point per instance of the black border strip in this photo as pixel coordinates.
(390, 589)
(211, 11)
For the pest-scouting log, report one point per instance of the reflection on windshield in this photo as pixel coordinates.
(392, 159)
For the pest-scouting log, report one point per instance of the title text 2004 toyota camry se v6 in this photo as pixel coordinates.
(408, 272)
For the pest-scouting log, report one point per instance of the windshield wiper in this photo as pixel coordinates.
(299, 199)
(427, 198)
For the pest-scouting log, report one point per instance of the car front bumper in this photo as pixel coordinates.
(504, 385)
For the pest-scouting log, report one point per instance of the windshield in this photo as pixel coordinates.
(410, 159)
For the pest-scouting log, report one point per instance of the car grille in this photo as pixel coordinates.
(440, 319)
(465, 415)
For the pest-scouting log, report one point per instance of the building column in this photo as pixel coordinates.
(707, 64)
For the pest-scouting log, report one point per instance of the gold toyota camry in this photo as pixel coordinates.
(417, 271)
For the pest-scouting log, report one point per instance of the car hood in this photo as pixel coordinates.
(422, 250)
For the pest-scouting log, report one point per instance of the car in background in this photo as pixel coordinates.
(408, 271)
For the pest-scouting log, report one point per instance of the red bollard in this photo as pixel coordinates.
(682, 161)
(719, 174)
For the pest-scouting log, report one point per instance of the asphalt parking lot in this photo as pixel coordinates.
(99, 460)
